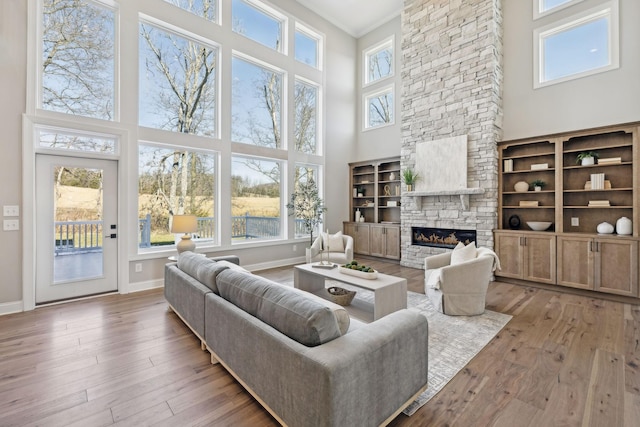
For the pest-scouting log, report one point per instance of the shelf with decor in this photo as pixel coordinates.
(590, 203)
(375, 199)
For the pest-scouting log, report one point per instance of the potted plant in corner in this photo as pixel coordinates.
(587, 158)
(410, 177)
(307, 206)
(538, 184)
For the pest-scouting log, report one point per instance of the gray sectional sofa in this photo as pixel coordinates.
(300, 356)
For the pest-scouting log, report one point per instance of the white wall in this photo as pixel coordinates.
(385, 141)
(598, 100)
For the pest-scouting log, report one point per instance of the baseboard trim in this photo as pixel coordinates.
(146, 285)
(11, 307)
(275, 264)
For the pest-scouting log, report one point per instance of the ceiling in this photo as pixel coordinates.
(356, 17)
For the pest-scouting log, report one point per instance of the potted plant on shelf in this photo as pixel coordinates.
(307, 206)
(410, 177)
(587, 158)
(538, 184)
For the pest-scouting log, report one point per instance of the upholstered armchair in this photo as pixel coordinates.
(339, 253)
(459, 288)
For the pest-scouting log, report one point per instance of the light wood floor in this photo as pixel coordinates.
(563, 360)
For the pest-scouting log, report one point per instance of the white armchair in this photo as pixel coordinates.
(459, 289)
(343, 255)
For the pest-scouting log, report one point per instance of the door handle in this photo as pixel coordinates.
(111, 236)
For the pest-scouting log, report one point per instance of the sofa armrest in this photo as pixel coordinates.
(348, 248)
(385, 362)
(231, 258)
(437, 261)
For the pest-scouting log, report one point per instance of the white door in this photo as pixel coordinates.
(76, 228)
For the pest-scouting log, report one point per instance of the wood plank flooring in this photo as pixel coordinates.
(563, 360)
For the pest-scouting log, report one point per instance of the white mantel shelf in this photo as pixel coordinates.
(462, 192)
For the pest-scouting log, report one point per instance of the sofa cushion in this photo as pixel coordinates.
(190, 262)
(300, 318)
(207, 273)
(333, 241)
(462, 253)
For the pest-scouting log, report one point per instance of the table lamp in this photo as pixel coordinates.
(185, 224)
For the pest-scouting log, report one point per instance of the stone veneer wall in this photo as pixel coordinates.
(451, 86)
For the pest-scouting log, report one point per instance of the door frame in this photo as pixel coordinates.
(29, 150)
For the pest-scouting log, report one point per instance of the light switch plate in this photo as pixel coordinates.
(11, 210)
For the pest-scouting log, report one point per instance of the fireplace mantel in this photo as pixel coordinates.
(462, 192)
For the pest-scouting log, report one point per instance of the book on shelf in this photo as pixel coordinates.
(597, 181)
(528, 203)
(609, 160)
(539, 166)
(607, 185)
(599, 203)
(508, 165)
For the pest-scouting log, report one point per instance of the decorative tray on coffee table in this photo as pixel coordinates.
(359, 271)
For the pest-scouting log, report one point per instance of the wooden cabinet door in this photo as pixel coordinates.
(540, 258)
(509, 251)
(361, 242)
(376, 240)
(576, 262)
(392, 242)
(616, 267)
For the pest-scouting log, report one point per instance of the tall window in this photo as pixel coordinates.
(174, 181)
(207, 9)
(584, 44)
(378, 61)
(259, 23)
(306, 174)
(177, 83)
(78, 58)
(255, 198)
(256, 105)
(379, 108)
(306, 117)
(307, 46)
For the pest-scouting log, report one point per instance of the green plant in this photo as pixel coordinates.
(409, 176)
(538, 183)
(586, 154)
(307, 206)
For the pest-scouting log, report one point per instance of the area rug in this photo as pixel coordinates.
(453, 340)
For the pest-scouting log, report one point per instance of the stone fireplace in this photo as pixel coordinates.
(441, 237)
(451, 92)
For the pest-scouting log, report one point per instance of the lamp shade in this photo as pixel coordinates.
(184, 224)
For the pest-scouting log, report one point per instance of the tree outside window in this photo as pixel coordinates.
(174, 182)
(78, 54)
(306, 117)
(177, 83)
(379, 62)
(207, 9)
(379, 108)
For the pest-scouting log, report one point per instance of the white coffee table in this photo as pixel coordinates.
(390, 292)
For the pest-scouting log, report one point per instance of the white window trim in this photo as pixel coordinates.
(389, 42)
(277, 16)
(539, 12)
(312, 34)
(607, 10)
(365, 107)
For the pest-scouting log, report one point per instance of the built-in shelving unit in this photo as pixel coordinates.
(575, 199)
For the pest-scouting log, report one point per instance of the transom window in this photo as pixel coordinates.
(258, 22)
(378, 61)
(582, 45)
(307, 46)
(68, 140)
(544, 7)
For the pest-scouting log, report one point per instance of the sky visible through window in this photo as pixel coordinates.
(577, 49)
(256, 25)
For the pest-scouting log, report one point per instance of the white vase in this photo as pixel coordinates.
(605, 228)
(521, 186)
(587, 161)
(624, 226)
(536, 188)
(392, 176)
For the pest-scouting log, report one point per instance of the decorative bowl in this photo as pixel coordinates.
(521, 186)
(358, 273)
(539, 225)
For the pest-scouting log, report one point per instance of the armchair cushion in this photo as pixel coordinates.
(333, 242)
(462, 253)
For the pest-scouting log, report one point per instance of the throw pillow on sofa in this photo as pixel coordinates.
(333, 241)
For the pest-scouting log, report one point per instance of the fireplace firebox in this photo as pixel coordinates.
(441, 237)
